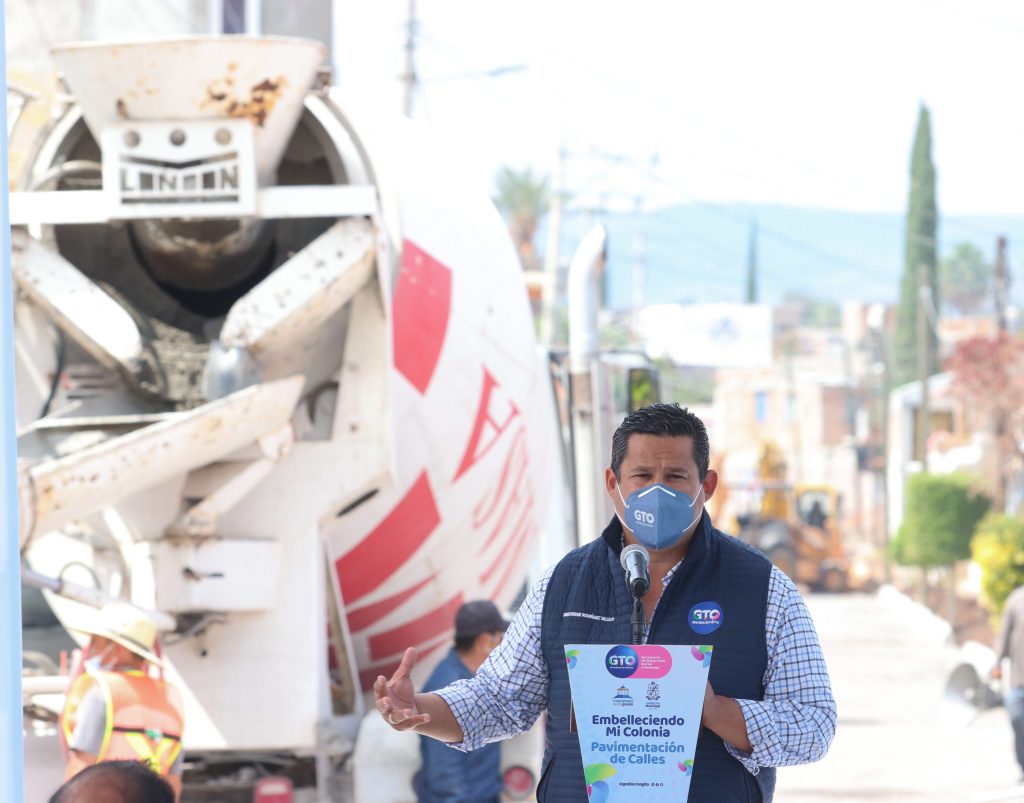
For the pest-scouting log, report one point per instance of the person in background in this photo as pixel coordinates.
(115, 782)
(1010, 644)
(116, 710)
(816, 516)
(447, 775)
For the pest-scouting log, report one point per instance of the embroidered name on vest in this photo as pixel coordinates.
(593, 616)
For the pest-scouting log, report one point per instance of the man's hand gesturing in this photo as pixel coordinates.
(396, 698)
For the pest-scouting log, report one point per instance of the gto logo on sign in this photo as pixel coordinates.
(621, 661)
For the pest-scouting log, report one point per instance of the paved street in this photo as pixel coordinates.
(897, 740)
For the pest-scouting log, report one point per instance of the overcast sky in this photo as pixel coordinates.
(801, 102)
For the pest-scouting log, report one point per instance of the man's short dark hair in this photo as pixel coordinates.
(115, 782)
(665, 420)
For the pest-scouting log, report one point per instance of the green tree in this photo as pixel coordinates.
(523, 199)
(919, 254)
(942, 511)
(966, 278)
(998, 548)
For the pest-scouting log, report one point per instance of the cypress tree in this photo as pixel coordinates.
(919, 254)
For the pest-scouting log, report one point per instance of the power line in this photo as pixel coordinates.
(658, 104)
(630, 163)
(1002, 26)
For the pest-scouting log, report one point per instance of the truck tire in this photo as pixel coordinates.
(833, 580)
(784, 558)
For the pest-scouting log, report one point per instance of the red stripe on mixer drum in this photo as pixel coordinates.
(513, 568)
(418, 631)
(517, 534)
(374, 559)
(421, 308)
(362, 618)
(369, 675)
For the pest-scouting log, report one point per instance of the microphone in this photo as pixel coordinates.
(635, 560)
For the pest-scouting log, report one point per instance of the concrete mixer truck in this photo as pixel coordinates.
(277, 384)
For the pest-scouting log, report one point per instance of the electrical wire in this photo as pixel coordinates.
(749, 143)
(630, 163)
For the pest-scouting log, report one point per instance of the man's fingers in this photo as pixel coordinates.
(405, 667)
(380, 686)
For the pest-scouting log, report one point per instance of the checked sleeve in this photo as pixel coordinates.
(510, 689)
(796, 721)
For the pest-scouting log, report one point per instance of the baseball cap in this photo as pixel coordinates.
(478, 616)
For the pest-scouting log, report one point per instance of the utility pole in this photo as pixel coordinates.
(751, 291)
(639, 269)
(923, 362)
(551, 252)
(1001, 284)
(409, 78)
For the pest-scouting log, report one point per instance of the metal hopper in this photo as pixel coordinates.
(262, 80)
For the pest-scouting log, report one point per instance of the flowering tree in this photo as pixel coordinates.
(989, 380)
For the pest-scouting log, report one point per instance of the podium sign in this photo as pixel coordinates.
(637, 711)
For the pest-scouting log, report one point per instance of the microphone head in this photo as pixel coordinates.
(631, 549)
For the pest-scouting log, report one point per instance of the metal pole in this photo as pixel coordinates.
(639, 269)
(583, 352)
(409, 76)
(551, 253)
(999, 425)
(1002, 284)
(11, 752)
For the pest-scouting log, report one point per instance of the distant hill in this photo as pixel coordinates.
(699, 252)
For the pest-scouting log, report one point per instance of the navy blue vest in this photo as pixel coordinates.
(717, 568)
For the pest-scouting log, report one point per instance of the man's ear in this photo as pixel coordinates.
(610, 483)
(710, 483)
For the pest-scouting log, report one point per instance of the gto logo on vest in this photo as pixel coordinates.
(621, 661)
(706, 617)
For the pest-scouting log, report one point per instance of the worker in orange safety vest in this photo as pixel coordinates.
(116, 709)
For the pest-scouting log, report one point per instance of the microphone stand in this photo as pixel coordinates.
(637, 622)
(635, 560)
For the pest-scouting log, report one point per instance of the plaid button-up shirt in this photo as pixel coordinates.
(793, 724)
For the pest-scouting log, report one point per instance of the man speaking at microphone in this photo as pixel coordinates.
(768, 701)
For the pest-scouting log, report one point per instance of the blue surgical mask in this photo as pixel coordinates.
(658, 516)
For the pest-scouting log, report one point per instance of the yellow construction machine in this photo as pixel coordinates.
(798, 527)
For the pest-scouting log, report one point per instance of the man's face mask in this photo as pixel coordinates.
(659, 516)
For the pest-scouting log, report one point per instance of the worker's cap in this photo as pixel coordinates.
(126, 625)
(479, 616)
